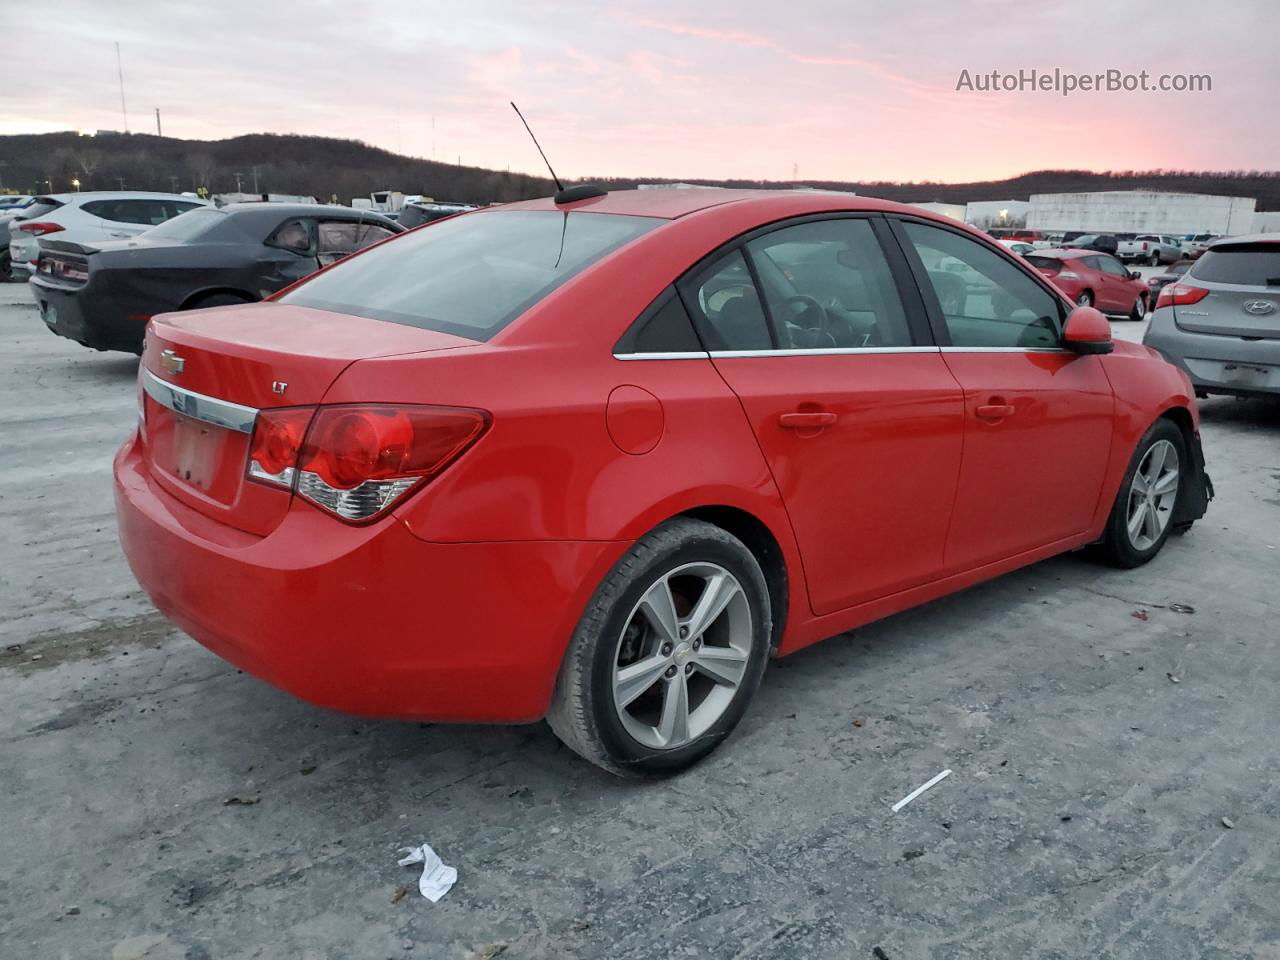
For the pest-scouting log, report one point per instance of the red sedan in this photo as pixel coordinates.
(597, 460)
(1094, 279)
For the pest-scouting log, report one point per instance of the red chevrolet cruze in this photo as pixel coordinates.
(596, 460)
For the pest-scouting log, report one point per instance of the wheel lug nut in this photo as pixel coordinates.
(671, 671)
(697, 644)
(666, 649)
(688, 668)
(684, 632)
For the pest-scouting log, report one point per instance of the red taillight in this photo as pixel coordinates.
(39, 229)
(1180, 294)
(355, 461)
(277, 438)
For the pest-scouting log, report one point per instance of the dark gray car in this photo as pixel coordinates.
(102, 294)
(1221, 321)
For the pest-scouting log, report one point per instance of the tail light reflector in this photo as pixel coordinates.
(355, 461)
(39, 229)
(1180, 294)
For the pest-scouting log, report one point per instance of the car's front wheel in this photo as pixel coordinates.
(668, 653)
(1142, 516)
(1139, 311)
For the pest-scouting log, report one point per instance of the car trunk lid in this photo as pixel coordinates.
(206, 373)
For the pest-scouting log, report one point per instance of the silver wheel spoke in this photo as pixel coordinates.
(1152, 523)
(1156, 462)
(724, 665)
(659, 608)
(1137, 520)
(1140, 482)
(673, 726)
(1166, 484)
(721, 588)
(631, 681)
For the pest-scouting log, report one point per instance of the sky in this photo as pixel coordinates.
(756, 89)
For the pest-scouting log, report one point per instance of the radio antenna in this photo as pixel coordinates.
(559, 185)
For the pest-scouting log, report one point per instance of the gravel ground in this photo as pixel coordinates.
(1098, 739)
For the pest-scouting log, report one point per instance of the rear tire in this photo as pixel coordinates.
(216, 300)
(1155, 260)
(649, 686)
(1142, 515)
(1085, 299)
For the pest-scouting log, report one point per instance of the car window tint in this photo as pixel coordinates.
(150, 212)
(827, 284)
(1112, 266)
(1247, 264)
(188, 226)
(175, 207)
(337, 238)
(472, 275)
(292, 235)
(726, 305)
(986, 301)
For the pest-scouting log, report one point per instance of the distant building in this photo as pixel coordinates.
(988, 214)
(1141, 211)
(953, 210)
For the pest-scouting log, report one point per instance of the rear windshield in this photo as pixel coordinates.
(187, 226)
(41, 207)
(472, 275)
(1045, 263)
(1248, 264)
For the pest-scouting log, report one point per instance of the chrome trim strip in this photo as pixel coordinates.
(220, 413)
(675, 355)
(819, 352)
(1004, 350)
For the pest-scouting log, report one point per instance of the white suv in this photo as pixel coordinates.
(88, 217)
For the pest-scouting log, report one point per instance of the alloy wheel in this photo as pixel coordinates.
(682, 655)
(1152, 495)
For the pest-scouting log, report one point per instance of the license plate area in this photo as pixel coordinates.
(197, 448)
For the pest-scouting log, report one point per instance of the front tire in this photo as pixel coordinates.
(668, 653)
(1139, 311)
(1142, 516)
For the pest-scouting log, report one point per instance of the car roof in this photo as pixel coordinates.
(669, 204)
(1246, 238)
(255, 208)
(1069, 252)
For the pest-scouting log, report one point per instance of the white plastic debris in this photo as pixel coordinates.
(921, 789)
(437, 876)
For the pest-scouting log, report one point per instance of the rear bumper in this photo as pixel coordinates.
(108, 327)
(367, 620)
(1217, 364)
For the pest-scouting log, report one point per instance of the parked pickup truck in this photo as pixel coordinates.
(1151, 248)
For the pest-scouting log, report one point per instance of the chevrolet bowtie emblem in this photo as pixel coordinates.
(170, 362)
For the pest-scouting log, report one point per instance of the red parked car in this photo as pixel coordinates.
(597, 460)
(1094, 279)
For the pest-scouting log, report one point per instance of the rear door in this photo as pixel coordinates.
(1038, 418)
(822, 336)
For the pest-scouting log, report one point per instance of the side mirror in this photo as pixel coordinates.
(1134, 275)
(1087, 331)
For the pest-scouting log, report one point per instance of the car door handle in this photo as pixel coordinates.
(806, 421)
(995, 411)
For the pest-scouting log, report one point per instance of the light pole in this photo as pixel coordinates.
(75, 184)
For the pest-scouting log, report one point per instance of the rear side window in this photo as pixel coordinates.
(1246, 264)
(150, 212)
(723, 298)
(188, 226)
(985, 300)
(472, 275)
(1047, 264)
(43, 206)
(296, 236)
(338, 238)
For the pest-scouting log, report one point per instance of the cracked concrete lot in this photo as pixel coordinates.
(1098, 737)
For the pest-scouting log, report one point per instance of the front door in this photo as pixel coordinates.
(856, 413)
(1038, 418)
